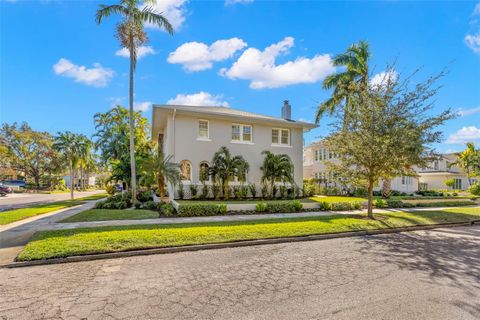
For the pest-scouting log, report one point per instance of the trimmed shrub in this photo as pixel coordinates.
(380, 203)
(297, 205)
(167, 209)
(118, 201)
(144, 195)
(308, 190)
(430, 193)
(324, 206)
(281, 207)
(111, 189)
(151, 205)
(475, 189)
(198, 210)
(446, 204)
(261, 207)
(343, 206)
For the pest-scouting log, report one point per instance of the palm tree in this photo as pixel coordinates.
(158, 168)
(355, 76)
(468, 160)
(85, 146)
(225, 168)
(131, 34)
(276, 167)
(71, 146)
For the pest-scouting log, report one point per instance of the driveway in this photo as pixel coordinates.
(415, 275)
(19, 200)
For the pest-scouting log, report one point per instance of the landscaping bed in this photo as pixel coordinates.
(71, 242)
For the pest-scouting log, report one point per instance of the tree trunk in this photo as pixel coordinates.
(386, 188)
(132, 132)
(161, 186)
(370, 199)
(71, 181)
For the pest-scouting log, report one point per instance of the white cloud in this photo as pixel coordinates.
(197, 56)
(97, 76)
(473, 42)
(464, 135)
(142, 51)
(201, 98)
(381, 79)
(260, 69)
(142, 106)
(233, 2)
(173, 10)
(468, 112)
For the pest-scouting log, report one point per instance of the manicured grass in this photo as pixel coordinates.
(331, 199)
(10, 216)
(63, 243)
(111, 214)
(245, 201)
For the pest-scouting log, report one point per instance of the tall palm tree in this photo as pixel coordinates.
(355, 60)
(131, 34)
(160, 169)
(226, 167)
(71, 146)
(468, 160)
(276, 167)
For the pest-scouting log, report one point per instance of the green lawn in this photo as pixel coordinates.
(245, 201)
(63, 243)
(331, 199)
(111, 214)
(10, 216)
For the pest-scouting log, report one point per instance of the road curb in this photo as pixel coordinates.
(234, 244)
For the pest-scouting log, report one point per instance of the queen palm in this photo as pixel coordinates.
(226, 167)
(469, 161)
(159, 168)
(276, 167)
(72, 147)
(344, 84)
(131, 34)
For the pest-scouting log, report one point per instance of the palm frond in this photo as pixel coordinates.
(106, 11)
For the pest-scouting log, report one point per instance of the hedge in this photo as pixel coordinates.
(199, 210)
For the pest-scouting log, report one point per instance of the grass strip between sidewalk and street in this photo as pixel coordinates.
(82, 241)
(10, 216)
(111, 214)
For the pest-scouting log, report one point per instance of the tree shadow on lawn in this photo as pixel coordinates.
(447, 256)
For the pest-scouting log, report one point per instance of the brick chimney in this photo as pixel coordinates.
(286, 110)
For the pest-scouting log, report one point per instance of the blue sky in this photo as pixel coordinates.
(58, 68)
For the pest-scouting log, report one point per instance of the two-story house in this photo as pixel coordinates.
(438, 171)
(192, 134)
(316, 156)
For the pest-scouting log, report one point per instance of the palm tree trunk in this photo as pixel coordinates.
(132, 145)
(161, 187)
(71, 181)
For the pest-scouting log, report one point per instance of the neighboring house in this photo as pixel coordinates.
(88, 181)
(314, 166)
(438, 171)
(192, 134)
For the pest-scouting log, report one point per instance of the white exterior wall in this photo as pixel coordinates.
(181, 140)
(439, 170)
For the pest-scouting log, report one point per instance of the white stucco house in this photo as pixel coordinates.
(438, 171)
(192, 134)
(314, 166)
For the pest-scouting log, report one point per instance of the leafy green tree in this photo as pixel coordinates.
(26, 150)
(469, 161)
(449, 183)
(276, 168)
(131, 34)
(156, 168)
(345, 84)
(226, 167)
(390, 130)
(72, 148)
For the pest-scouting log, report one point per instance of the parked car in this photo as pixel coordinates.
(4, 188)
(14, 183)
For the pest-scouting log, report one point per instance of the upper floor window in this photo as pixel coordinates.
(203, 131)
(241, 132)
(316, 154)
(281, 136)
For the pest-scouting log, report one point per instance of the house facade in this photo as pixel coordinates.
(438, 171)
(192, 134)
(316, 156)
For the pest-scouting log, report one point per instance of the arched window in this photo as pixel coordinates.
(203, 174)
(185, 170)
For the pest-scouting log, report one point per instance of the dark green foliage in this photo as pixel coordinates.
(283, 191)
(446, 204)
(261, 207)
(253, 189)
(264, 191)
(204, 192)
(144, 195)
(181, 191)
(475, 189)
(193, 191)
(197, 210)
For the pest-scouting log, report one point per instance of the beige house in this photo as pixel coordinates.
(316, 155)
(192, 134)
(438, 171)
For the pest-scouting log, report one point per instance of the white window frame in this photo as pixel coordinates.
(407, 180)
(199, 137)
(241, 126)
(279, 143)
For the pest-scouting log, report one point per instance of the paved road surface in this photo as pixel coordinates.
(18, 200)
(417, 275)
